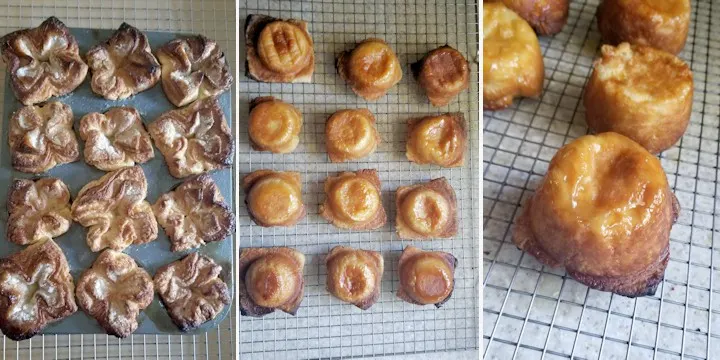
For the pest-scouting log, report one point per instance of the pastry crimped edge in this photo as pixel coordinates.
(296, 138)
(246, 304)
(410, 251)
(435, 98)
(378, 269)
(440, 185)
(343, 70)
(328, 213)
(460, 122)
(252, 178)
(16, 202)
(337, 156)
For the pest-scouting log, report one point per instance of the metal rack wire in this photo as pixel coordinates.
(531, 311)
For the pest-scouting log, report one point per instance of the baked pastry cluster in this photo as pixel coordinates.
(426, 277)
(547, 17)
(274, 198)
(426, 210)
(443, 73)
(278, 50)
(353, 201)
(438, 140)
(371, 68)
(37, 210)
(274, 125)
(270, 279)
(351, 135)
(354, 275)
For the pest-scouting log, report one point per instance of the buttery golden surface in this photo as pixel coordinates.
(439, 140)
(354, 275)
(279, 50)
(351, 134)
(353, 200)
(371, 69)
(444, 73)
(274, 125)
(426, 277)
(270, 279)
(426, 210)
(37, 210)
(274, 198)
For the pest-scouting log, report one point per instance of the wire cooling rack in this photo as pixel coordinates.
(324, 327)
(531, 311)
(213, 18)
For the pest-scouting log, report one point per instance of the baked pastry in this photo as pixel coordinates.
(124, 65)
(192, 290)
(351, 135)
(269, 279)
(427, 210)
(354, 275)
(547, 17)
(512, 61)
(443, 74)
(603, 212)
(659, 24)
(371, 68)
(353, 201)
(195, 213)
(194, 139)
(640, 92)
(37, 210)
(274, 125)
(193, 68)
(115, 211)
(36, 289)
(278, 50)
(41, 137)
(42, 62)
(439, 140)
(274, 198)
(115, 139)
(426, 277)
(114, 291)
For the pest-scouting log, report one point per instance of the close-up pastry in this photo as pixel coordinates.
(193, 68)
(547, 17)
(114, 210)
(115, 139)
(426, 277)
(279, 50)
(194, 139)
(192, 290)
(194, 213)
(274, 125)
(640, 92)
(41, 137)
(426, 211)
(36, 289)
(443, 74)
(603, 212)
(114, 291)
(274, 198)
(353, 200)
(124, 65)
(270, 279)
(351, 134)
(512, 61)
(354, 275)
(37, 210)
(371, 68)
(43, 62)
(439, 140)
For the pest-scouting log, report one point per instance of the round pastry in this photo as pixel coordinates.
(37, 210)
(370, 69)
(426, 211)
(439, 140)
(512, 61)
(274, 125)
(603, 212)
(443, 73)
(274, 198)
(351, 135)
(353, 201)
(640, 92)
(426, 277)
(659, 24)
(270, 279)
(547, 17)
(354, 275)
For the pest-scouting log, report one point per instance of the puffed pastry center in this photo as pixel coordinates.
(428, 279)
(273, 123)
(283, 47)
(373, 63)
(353, 276)
(355, 199)
(272, 280)
(425, 211)
(274, 200)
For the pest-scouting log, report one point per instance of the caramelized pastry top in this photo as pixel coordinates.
(353, 200)
(274, 125)
(37, 210)
(351, 134)
(354, 275)
(443, 73)
(370, 69)
(274, 198)
(439, 140)
(270, 278)
(279, 50)
(426, 277)
(426, 210)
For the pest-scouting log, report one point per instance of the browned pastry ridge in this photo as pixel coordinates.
(354, 275)
(547, 17)
(371, 68)
(192, 290)
(270, 279)
(274, 198)
(353, 200)
(114, 291)
(274, 125)
(426, 211)
(351, 135)
(115, 211)
(195, 213)
(36, 289)
(426, 277)
(42, 62)
(41, 137)
(443, 73)
(37, 210)
(439, 140)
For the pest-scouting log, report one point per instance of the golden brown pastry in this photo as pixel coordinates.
(547, 17)
(354, 275)
(426, 211)
(443, 73)
(274, 198)
(124, 65)
(353, 200)
(426, 277)
(114, 291)
(640, 92)
(192, 290)
(42, 62)
(115, 211)
(603, 212)
(115, 139)
(439, 140)
(371, 68)
(37, 210)
(195, 213)
(351, 135)
(274, 125)
(279, 50)
(659, 24)
(512, 61)
(193, 68)
(270, 279)
(36, 289)
(41, 137)
(194, 139)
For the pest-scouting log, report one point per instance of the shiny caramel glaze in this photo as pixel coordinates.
(274, 125)
(354, 275)
(274, 198)
(270, 279)
(351, 135)
(547, 17)
(371, 68)
(278, 50)
(426, 277)
(439, 140)
(426, 210)
(443, 73)
(353, 200)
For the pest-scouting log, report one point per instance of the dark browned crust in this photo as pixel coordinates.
(546, 17)
(251, 179)
(380, 217)
(459, 120)
(439, 98)
(342, 69)
(442, 186)
(411, 251)
(377, 267)
(247, 256)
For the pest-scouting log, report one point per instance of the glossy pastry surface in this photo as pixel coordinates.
(274, 125)
(353, 200)
(439, 140)
(37, 210)
(274, 198)
(547, 17)
(426, 277)
(351, 134)
(371, 68)
(354, 275)
(270, 279)
(443, 73)
(426, 210)
(278, 50)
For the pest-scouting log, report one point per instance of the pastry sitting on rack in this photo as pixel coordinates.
(426, 277)
(274, 125)
(426, 211)
(42, 62)
(37, 210)
(547, 17)
(351, 135)
(270, 279)
(371, 68)
(439, 140)
(353, 201)
(443, 73)
(354, 275)
(274, 198)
